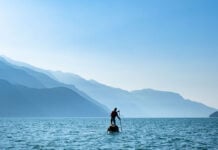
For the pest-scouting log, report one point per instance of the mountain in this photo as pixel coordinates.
(15, 75)
(22, 101)
(24, 74)
(140, 103)
(109, 96)
(162, 104)
(214, 115)
(29, 76)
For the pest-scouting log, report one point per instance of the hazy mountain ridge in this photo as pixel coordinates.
(44, 77)
(111, 97)
(35, 79)
(139, 103)
(17, 76)
(214, 115)
(21, 101)
(170, 104)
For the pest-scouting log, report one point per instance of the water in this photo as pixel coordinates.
(90, 133)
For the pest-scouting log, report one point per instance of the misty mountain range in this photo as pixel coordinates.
(21, 101)
(28, 91)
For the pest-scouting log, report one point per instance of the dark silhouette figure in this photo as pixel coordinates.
(113, 128)
(114, 114)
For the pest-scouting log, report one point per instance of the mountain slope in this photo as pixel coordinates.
(21, 101)
(111, 97)
(214, 114)
(141, 103)
(27, 75)
(162, 104)
(14, 75)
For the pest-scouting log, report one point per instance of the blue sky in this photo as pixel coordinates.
(165, 45)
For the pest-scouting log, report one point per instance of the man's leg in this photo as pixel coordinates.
(113, 121)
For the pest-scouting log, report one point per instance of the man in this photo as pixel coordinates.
(114, 114)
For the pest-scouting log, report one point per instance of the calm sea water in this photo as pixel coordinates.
(90, 133)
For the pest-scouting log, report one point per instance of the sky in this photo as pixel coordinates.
(130, 44)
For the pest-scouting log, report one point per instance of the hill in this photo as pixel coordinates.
(140, 103)
(214, 115)
(21, 101)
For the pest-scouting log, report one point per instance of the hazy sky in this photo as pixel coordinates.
(161, 44)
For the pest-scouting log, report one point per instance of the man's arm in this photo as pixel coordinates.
(118, 116)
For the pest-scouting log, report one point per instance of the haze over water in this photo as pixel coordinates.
(90, 133)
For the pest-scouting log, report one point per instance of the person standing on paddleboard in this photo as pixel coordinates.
(114, 114)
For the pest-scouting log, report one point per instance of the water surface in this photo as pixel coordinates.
(90, 133)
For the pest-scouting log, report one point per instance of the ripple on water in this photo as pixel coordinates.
(90, 133)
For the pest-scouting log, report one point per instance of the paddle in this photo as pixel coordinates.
(120, 121)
